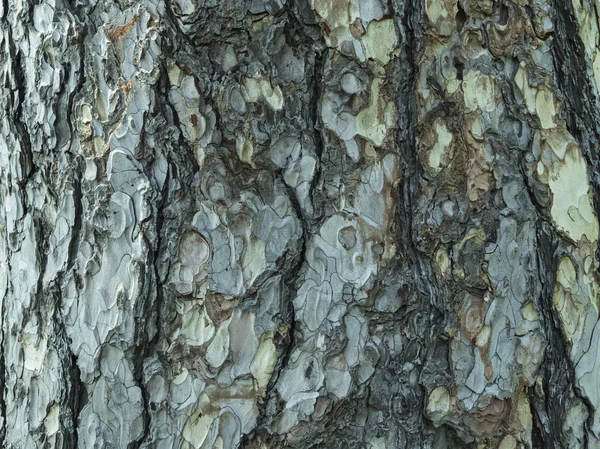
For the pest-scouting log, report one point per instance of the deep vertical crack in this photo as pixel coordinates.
(582, 104)
(291, 276)
(3, 359)
(557, 373)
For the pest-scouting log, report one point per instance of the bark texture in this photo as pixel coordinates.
(303, 223)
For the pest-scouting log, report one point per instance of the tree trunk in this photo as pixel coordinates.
(309, 224)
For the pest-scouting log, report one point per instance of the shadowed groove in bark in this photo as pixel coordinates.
(151, 346)
(423, 305)
(269, 404)
(582, 118)
(78, 398)
(404, 77)
(320, 60)
(290, 279)
(556, 368)
(26, 160)
(77, 391)
(3, 367)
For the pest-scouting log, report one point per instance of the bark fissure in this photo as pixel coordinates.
(3, 385)
(549, 409)
(582, 115)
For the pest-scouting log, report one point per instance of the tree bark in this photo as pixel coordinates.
(312, 224)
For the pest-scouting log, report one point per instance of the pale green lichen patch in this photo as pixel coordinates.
(539, 100)
(483, 337)
(479, 91)
(51, 422)
(559, 141)
(528, 92)
(337, 16)
(572, 209)
(380, 40)
(529, 312)
(563, 168)
(443, 262)
(84, 120)
(34, 352)
(545, 108)
(441, 146)
(196, 327)
(259, 88)
(441, 14)
(198, 424)
(336, 13)
(354, 27)
(524, 418)
(508, 442)
(217, 351)
(565, 299)
(196, 119)
(378, 118)
(263, 363)
(438, 403)
(245, 150)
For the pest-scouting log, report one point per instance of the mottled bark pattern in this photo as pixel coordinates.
(310, 224)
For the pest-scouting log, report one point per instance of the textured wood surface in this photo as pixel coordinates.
(303, 223)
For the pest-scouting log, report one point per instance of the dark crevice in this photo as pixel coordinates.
(288, 340)
(460, 67)
(405, 74)
(290, 279)
(8, 270)
(314, 123)
(461, 17)
(78, 398)
(421, 291)
(155, 247)
(547, 408)
(503, 14)
(3, 365)
(408, 190)
(581, 116)
(538, 434)
(76, 395)
(42, 239)
(151, 306)
(77, 224)
(26, 154)
(150, 347)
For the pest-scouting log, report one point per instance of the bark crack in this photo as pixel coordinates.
(290, 278)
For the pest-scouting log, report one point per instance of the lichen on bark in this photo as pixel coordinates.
(319, 223)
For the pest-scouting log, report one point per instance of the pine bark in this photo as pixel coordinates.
(311, 224)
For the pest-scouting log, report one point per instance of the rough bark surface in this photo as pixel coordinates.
(310, 223)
